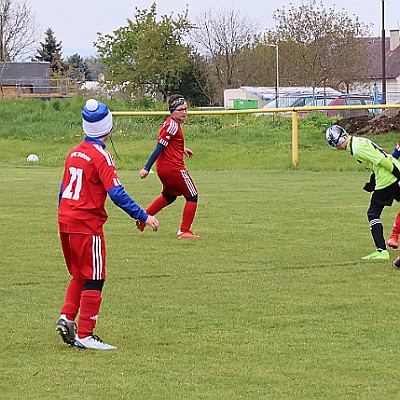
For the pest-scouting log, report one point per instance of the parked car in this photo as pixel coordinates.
(351, 100)
(301, 100)
(314, 101)
(283, 102)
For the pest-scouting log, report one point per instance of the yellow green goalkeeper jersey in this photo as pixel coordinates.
(375, 159)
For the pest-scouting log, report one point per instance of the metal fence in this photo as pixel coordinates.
(39, 88)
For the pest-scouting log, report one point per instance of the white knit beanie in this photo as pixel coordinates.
(96, 119)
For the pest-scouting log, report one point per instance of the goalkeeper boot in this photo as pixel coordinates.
(66, 329)
(393, 242)
(378, 254)
(92, 342)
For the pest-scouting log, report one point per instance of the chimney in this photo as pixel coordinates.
(394, 39)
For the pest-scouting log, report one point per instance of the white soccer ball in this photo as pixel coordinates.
(32, 158)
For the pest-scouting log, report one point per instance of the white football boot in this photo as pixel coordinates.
(92, 342)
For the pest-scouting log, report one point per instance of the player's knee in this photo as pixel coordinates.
(170, 199)
(93, 285)
(373, 214)
(192, 199)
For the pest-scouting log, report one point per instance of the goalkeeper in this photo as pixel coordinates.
(384, 182)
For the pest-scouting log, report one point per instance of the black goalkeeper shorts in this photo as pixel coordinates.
(385, 197)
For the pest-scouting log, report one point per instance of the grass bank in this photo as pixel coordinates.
(229, 142)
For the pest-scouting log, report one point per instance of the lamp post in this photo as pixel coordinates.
(383, 55)
(277, 72)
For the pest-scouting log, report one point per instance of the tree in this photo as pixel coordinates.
(194, 84)
(50, 51)
(260, 62)
(222, 36)
(17, 30)
(95, 68)
(77, 68)
(147, 55)
(318, 45)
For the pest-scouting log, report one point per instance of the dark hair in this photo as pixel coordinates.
(175, 101)
(173, 98)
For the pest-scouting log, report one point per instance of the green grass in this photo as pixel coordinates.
(273, 302)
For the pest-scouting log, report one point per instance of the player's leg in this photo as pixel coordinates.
(393, 241)
(65, 325)
(189, 212)
(189, 191)
(93, 267)
(155, 207)
(159, 203)
(375, 223)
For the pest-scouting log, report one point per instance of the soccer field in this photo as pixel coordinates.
(273, 302)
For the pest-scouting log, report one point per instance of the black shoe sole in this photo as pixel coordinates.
(65, 336)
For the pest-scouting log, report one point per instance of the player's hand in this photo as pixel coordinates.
(143, 173)
(369, 187)
(152, 222)
(188, 152)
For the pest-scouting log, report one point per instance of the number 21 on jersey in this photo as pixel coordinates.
(74, 187)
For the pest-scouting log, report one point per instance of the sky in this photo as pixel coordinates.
(76, 22)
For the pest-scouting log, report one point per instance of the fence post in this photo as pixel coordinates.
(295, 139)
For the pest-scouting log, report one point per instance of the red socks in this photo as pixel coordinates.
(89, 310)
(157, 205)
(188, 215)
(73, 298)
(87, 301)
(396, 227)
(189, 211)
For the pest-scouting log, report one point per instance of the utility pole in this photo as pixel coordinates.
(383, 55)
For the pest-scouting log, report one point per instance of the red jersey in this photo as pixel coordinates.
(89, 172)
(171, 137)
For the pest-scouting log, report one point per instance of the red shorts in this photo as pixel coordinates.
(85, 255)
(177, 183)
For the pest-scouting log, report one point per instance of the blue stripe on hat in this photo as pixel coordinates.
(96, 115)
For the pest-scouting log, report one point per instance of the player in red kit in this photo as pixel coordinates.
(168, 155)
(89, 175)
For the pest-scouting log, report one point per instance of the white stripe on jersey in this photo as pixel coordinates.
(117, 182)
(163, 142)
(106, 154)
(173, 127)
(188, 182)
(97, 258)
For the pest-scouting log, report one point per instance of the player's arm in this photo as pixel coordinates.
(396, 151)
(126, 203)
(387, 164)
(370, 186)
(60, 194)
(112, 184)
(122, 200)
(152, 159)
(188, 153)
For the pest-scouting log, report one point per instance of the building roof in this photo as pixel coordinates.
(21, 72)
(374, 52)
(35, 75)
(268, 93)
